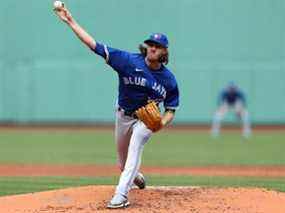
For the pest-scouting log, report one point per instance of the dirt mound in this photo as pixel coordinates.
(111, 170)
(153, 199)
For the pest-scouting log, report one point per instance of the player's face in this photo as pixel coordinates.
(232, 90)
(154, 52)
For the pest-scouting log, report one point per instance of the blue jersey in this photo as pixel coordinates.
(137, 82)
(231, 96)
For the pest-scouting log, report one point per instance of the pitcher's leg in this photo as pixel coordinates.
(123, 131)
(138, 139)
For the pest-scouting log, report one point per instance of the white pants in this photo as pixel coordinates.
(241, 113)
(131, 136)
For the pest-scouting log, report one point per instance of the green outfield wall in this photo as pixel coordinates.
(47, 75)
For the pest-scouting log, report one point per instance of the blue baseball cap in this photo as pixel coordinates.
(232, 84)
(158, 38)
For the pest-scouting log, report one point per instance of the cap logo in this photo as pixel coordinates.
(157, 36)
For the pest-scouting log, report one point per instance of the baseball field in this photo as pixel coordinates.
(74, 170)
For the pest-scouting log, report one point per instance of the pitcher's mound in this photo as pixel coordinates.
(153, 199)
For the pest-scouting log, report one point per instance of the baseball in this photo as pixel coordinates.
(58, 5)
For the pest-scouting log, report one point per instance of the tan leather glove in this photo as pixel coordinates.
(150, 116)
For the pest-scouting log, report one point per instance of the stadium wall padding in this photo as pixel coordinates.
(48, 75)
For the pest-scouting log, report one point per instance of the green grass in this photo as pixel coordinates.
(57, 147)
(20, 185)
(164, 149)
(184, 149)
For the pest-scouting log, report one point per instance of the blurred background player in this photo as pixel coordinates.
(231, 98)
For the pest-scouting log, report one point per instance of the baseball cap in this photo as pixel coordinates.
(158, 38)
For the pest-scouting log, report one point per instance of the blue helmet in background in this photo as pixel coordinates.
(158, 38)
(232, 84)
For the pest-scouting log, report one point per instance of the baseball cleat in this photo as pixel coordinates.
(118, 201)
(139, 181)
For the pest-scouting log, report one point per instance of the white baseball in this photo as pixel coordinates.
(58, 5)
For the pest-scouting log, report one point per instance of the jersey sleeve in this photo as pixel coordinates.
(116, 58)
(172, 98)
(241, 97)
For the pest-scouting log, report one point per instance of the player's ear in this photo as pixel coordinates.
(142, 49)
(164, 57)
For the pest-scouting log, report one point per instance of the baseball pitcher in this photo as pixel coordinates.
(144, 82)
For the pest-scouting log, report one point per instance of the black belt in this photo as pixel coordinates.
(128, 113)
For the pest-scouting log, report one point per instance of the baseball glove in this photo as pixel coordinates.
(150, 116)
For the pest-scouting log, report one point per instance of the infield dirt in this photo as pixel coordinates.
(90, 199)
(151, 200)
